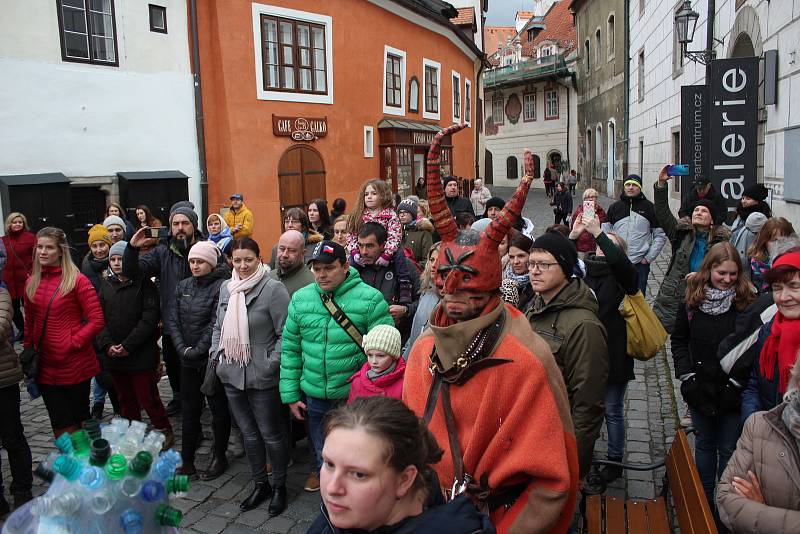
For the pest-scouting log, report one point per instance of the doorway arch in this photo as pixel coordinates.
(511, 168)
(301, 176)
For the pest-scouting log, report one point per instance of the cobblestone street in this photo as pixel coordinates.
(213, 507)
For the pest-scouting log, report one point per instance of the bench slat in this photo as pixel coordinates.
(615, 515)
(691, 507)
(593, 514)
(637, 518)
(657, 516)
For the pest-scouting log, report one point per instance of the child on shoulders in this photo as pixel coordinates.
(382, 374)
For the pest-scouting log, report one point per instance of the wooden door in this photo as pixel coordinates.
(301, 177)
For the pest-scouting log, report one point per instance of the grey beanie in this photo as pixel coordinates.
(188, 212)
(112, 220)
(117, 249)
(408, 205)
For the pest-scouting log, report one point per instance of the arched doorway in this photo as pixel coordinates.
(743, 46)
(301, 176)
(488, 168)
(511, 168)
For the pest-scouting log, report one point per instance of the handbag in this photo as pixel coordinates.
(30, 358)
(646, 335)
(209, 385)
(342, 319)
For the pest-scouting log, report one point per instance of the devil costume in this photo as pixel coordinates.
(489, 387)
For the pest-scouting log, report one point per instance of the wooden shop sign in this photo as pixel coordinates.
(300, 128)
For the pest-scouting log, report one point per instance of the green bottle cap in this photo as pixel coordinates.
(168, 516)
(140, 465)
(116, 467)
(81, 443)
(178, 484)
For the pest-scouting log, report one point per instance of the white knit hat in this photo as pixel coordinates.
(112, 220)
(384, 338)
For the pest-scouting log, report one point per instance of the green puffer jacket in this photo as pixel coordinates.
(681, 235)
(577, 339)
(317, 355)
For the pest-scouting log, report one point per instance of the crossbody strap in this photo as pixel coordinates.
(341, 318)
(44, 321)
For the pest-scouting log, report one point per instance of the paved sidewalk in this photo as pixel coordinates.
(213, 507)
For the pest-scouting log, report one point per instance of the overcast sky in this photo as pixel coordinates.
(501, 12)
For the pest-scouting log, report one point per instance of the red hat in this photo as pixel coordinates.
(468, 260)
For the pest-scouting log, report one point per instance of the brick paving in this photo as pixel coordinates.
(212, 507)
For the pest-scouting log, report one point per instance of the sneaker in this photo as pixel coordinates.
(312, 482)
(174, 407)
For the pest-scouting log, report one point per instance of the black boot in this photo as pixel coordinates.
(4, 507)
(278, 502)
(261, 493)
(21, 498)
(218, 466)
(611, 472)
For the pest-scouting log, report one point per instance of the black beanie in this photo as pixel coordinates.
(495, 202)
(562, 250)
(756, 192)
(449, 179)
(715, 215)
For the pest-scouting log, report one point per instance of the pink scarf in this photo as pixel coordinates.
(235, 335)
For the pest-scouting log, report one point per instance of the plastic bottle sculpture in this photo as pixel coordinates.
(105, 480)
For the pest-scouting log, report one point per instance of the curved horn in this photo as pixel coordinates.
(512, 211)
(440, 213)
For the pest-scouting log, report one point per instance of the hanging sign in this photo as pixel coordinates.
(300, 128)
(733, 124)
(695, 143)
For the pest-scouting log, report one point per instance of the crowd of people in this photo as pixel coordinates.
(422, 344)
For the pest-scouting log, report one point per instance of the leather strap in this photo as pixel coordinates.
(341, 318)
(38, 347)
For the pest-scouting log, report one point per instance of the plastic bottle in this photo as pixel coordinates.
(165, 467)
(178, 485)
(140, 465)
(45, 468)
(66, 504)
(153, 491)
(101, 450)
(64, 443)
(131, 521)
(92, 428)
(99, 496)
(116, 467)
(168, 516)
(136, 430)
(68, 467)
(154, 443)
(130, 486)
(80, 443)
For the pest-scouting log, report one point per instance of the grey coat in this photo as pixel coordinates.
(427, 302)
(267, 304)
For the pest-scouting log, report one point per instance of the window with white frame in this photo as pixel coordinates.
(413, 95)
(551, 104)
(641, 73)
(611, 36)
(497, 108)
(529, 106)
(294, 55)
(545, 51)
(88, 31)
(456, 97)
(368, 141)
(467, 101)
(431, 84)
(394, 81)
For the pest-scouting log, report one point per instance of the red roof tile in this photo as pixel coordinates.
(496, 35)
(524, 15)
(559, 28)
(466, 15)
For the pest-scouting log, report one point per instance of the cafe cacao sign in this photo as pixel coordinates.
(300, 128)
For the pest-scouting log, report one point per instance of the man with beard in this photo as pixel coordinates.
(487, 386)
(290, 269)
(169, 262)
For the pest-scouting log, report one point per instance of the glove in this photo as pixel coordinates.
(384, 260)
(356, 258)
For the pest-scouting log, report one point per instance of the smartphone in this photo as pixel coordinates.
(588, 209)
(158, 231)
(679, 169)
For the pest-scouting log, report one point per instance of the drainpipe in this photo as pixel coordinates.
(198, 111)
(626, 113)
(478, 127)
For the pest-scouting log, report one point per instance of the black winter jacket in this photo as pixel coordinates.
(562, 201)
(92, 268)
(131, 313)
(191, 322)
(695, 349)
(691, 197)
(458, 205)
(611, 277)
(458, 516)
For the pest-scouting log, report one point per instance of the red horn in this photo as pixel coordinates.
(512, 211)
(442, 218)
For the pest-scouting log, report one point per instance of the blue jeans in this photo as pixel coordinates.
(262, 419)
(317, 409)
(714, 444)
(615, 419)
(98, 393)
(644, 271)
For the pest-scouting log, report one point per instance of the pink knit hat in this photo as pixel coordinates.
(206, 251)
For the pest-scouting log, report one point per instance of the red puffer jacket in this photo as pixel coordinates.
(390, 385)
(19, 260)
(586, 241)
(74, 320)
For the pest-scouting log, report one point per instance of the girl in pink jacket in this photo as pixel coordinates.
(382, 374)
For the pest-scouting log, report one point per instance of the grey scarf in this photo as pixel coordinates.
(717, 301)
(791, 414)
(372, 375)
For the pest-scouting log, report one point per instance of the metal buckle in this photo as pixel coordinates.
(457, 489)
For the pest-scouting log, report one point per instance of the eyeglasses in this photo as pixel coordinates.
(288, 220)
(541, 265)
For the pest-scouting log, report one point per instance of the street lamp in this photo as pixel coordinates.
(685, 25)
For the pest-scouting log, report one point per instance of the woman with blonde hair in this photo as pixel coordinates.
(340, 229)
(19, 242)
(584, 241)
(715, 296)
(63, 315)
(759, 252)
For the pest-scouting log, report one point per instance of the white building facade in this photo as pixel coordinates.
(92, 88)
(742, 28)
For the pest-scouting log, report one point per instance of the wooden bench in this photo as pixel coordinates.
(606, 514)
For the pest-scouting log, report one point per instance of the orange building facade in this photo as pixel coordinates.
(305, 99)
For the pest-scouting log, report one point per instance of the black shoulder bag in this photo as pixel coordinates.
(342, 319)
(30, 358)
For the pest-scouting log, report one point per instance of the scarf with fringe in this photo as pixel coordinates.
(234, 338)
